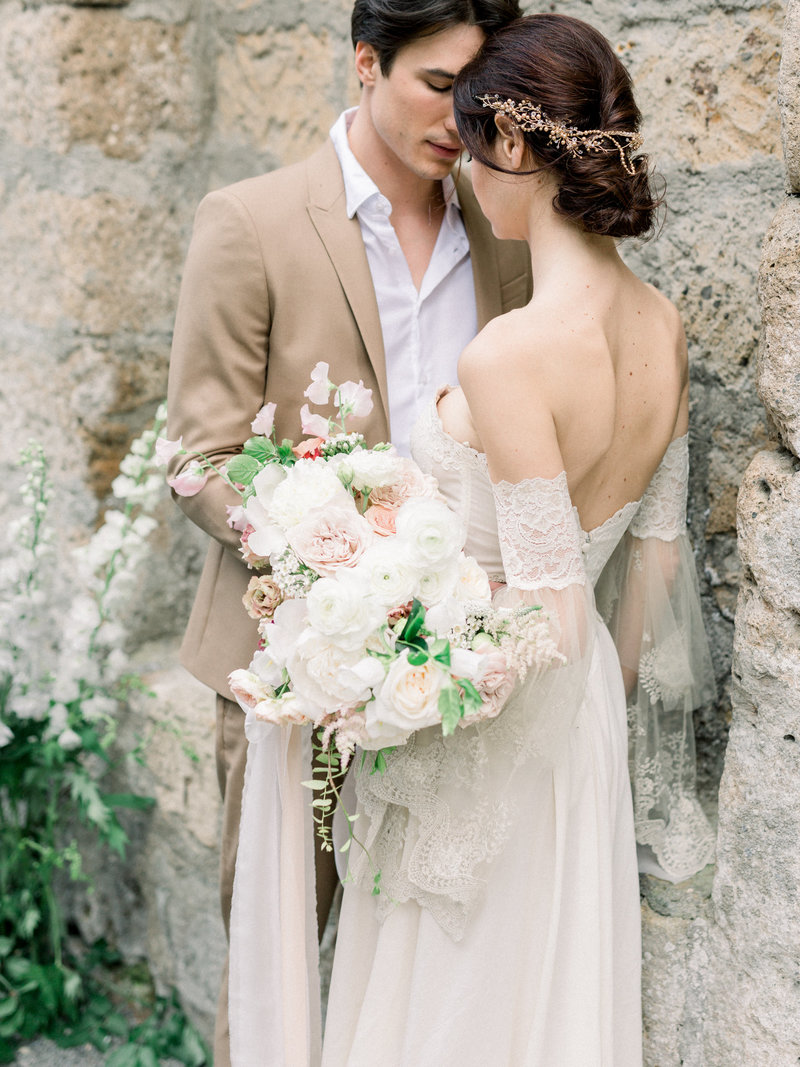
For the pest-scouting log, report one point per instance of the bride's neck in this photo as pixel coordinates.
(560, 251)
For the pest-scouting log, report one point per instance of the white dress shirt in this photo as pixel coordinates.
(425, 330)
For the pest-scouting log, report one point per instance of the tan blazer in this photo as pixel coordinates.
(277, 279)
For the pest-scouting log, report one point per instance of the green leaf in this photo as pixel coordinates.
(440, 650)
(380, 763)
(8, 1006)
(472, 699)
(418, 656)
(126, 1056)
(450, 708)
(260, 448)
(242, 469)
(414, 622)
(6, 944)
(314, 785)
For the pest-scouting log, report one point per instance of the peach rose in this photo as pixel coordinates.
(381, 519)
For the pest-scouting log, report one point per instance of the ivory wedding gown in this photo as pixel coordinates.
(507, 930)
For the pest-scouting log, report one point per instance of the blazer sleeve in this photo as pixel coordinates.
(220, 351)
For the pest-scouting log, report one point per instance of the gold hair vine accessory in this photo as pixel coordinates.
(529, 116)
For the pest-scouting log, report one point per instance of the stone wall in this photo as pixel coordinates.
(117, 117)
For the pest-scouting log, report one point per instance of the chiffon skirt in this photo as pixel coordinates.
(547, 973)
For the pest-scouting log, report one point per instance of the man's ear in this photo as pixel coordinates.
(367, 63)
(511, 142)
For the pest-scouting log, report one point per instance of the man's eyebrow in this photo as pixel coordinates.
(437, 72)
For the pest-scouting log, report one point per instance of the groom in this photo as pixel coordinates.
(367, 256)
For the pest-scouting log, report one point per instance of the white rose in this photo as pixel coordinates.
(432, 531)
(409, 697)
(473, 581)
(370, 470)
(390, 572)
(309, 484)
(249, 689)
(342, 609)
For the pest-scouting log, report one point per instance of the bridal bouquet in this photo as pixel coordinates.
(373, 622)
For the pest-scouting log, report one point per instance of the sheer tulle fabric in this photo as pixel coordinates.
(648, 595)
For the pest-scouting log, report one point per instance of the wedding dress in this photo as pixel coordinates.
(507, 928)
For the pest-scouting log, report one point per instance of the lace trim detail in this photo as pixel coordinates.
(430, 441)
(540, 537)
(662, 511)
(429, 849)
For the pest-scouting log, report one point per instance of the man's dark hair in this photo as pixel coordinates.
(388, 25)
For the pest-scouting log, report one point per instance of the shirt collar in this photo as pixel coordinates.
(359, 188)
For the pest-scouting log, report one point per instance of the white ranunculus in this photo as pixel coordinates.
(281, 633)
(434, 586)
(409, 697)
(433, 532)
(309, 484)
(371, 470)
(343, 609)
(390, 572)
(330, 677)
(473, 582)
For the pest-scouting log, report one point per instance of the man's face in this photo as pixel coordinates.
(411, 108)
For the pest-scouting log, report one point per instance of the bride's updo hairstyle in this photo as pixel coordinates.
(559, 81)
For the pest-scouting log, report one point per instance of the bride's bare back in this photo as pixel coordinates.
(590, 378)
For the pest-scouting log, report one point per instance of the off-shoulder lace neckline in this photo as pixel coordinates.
(480, 457)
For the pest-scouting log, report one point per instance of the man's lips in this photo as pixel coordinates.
(446, 151)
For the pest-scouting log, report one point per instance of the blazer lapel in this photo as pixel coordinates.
(483, 252)
(342, 239)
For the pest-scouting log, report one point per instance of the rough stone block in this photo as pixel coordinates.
(789, 93)
(769, 527)
(778, 365)
(708, 92)
(272, 91)
(97, 264)
(81, 76)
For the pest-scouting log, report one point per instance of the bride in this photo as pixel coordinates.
(507, 928)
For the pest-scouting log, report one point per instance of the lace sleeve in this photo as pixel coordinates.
(539, 534)
(648, 595)
(662, 511)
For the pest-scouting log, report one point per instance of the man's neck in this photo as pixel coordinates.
(409, 194)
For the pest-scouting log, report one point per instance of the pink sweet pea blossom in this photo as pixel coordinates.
(354, 399)
(190, 481)
(315, 425)
(166, 449)
(237, 517)
(320, 388)
(264, 420)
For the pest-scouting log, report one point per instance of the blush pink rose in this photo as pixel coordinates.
(332, 538)
(495, 684)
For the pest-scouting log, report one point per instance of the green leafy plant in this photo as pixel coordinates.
(63, 680)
